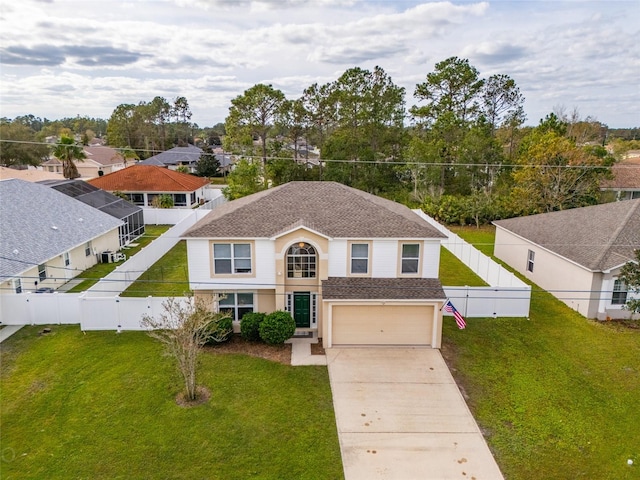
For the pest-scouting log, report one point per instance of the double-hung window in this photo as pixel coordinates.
(231, 258)
(17, 285)
(619, 296)
(531, 257)
(410, 261)
(359, 259)
(87, 248)
(42, 272)
(236, 304)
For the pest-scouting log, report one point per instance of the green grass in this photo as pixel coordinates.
(168, 277)
(101, 406)
(101, 270)
(454, 273)
(481, 238)
(557, 395)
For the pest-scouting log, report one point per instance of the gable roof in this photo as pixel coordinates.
(148, 178)
(599, 237)
(329, 208)
(174, 156)
(103, 155)
(28, 213)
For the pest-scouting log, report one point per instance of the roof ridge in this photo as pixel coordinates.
(617, 233)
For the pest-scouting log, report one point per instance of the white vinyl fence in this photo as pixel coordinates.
(172, 216)
(91, 313)
(507, 295)
(128, 272)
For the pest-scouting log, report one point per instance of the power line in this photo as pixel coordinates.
(357, 162)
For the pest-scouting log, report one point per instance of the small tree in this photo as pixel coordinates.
(163, 201)
(183, 328)
(630, 275)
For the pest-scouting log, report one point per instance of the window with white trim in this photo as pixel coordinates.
(42, 272)
(359, 258)
(301, 261)
(67, 259)
(231, 258)
(87, 248)
(619, 296)
(236, 304)
(531, 257)
(410, 258)
(17, 285)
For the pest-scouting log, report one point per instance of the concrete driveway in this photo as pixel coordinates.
(401, 416)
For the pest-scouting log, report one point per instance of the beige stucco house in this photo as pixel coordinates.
(351, 268)
(99, 160)
(575, 254)
(47, 237)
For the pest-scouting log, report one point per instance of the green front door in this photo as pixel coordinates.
(302, 309)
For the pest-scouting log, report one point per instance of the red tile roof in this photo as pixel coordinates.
(148, 178)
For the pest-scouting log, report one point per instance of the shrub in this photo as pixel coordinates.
(250, 326)
(219, 329)
(277, 327)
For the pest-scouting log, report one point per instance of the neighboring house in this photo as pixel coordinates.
(29, 175)
(575, 254)
(141, 184)
(352, 268)
(626, 180)
(99, 160)
(131, 215)
(47, 237)
(176, 157)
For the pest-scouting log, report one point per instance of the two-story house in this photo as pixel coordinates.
(352, 268)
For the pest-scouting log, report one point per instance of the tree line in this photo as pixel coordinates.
(462, 152)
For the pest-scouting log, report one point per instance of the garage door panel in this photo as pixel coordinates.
(382, 324)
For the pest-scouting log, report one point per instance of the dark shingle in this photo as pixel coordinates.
(330, 208)
(352, 288)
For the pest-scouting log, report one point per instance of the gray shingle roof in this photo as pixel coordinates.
(382, 288)
(599, 237)
(28, 211)
(174, 156)
(329, 208)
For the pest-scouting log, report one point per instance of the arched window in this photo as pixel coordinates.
(301, 261)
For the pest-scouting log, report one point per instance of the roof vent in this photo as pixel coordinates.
(54, 227)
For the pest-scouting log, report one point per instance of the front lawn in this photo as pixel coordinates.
(556, 395)
(101, 406)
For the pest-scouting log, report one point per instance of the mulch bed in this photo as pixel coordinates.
(237, 344)
(275, 353)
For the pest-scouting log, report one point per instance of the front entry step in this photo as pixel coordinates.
(304, 336)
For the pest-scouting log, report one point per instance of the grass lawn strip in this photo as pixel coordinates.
(556, 395)
(94, 274)
(102, 405)
(169, 276)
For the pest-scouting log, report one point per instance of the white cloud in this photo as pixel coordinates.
(211, 51)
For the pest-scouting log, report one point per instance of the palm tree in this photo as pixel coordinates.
(68, 151)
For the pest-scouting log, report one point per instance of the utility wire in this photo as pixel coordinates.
(359, 162)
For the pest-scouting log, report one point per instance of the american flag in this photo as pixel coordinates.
(448, 307)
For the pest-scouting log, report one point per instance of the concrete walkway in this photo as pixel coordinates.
(9, 330)
(301, 354)
(401, 416)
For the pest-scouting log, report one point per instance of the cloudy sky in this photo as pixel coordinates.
(61, 58)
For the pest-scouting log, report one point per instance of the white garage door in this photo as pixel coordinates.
(381, 325)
